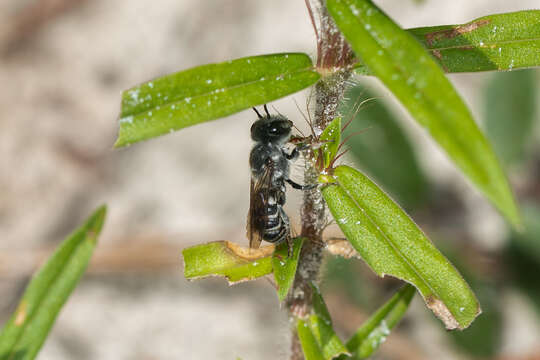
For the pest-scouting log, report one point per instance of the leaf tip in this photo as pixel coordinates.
(516, 220)
(120, 142)
(95, 222)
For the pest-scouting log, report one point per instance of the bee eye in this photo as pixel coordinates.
(273, 130)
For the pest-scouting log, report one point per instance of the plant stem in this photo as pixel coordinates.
(333, 58)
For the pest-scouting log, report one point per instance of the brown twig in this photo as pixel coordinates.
(333, 59)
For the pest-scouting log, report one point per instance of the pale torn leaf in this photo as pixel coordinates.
(227, 259)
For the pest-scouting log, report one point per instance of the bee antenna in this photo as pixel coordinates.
(266, 109)
(258, 114)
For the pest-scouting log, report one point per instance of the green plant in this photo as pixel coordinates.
(354, 37)
(25, 332)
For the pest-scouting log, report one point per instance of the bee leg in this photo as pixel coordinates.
(287, 232)
(290, 246)
(293, 155)
(301, 187)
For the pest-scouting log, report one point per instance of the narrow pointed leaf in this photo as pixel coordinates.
(322, 328)
(491, 43)
(208, 92)
(285, 267)
(227, 259)
(406, 68)
(510, 112)
(331, 136)
(522, 255)
(310, 346)
(23, 335)
(528, 242)
(392, 244)
(374, 331)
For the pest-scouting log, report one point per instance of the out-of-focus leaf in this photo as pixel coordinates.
(310, 346)
(331, 136)
(343, 275)
(510, 112)
(383, 151)
(374, 331)
(321, 327)
(392, 244)
(524, 270)
(523, 255)
(406, 68)
(529, 240)
(23, 335)
(224, 258)
(208, 92)
(285, 266)
(495, 42)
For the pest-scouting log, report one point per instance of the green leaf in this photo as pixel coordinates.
(321, 327)
(405, 67)
(529, 241)
(285, 267)
(392, 244)
(208, 92)
(310, 346)
(224, 258)
(383, 151)
(522, 255)
(331, 138)
(26, 330)
(374, 331)
(510, 112)
(495, 42)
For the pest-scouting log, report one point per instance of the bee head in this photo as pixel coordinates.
(271, 129)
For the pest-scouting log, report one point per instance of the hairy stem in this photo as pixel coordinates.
(333, 58)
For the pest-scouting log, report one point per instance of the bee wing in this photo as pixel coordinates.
(258, 195)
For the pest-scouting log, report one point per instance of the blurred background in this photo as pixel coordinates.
(63, 65)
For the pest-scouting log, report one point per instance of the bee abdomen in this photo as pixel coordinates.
(277, 226)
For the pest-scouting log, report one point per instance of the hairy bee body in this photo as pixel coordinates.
(269, 163)
(264, 155)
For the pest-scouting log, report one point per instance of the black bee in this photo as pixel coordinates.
(269, 162)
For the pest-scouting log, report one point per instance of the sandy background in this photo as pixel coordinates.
(63, 66)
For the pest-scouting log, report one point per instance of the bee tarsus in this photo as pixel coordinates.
(300, 187)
